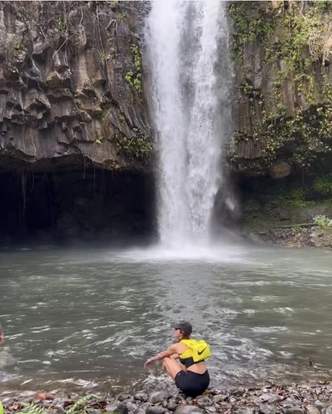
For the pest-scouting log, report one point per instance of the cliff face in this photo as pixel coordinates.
(71, 92)
(71, 87)
(72, 97)
(283, 65)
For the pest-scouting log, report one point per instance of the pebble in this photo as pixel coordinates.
(141, 396)
(268, 398)
(140, 411)
(243, 410)
(327, 410)
(204, 401)
(123, 397)
(321, 404)
(267, 409)
(159, 396)
(188, 409)
(312, 409)
(295, 410)
(210, 409)
(117, 408)
(110, 408)
(171, 406)
(155, 409)
(57, 411)
(219, 398)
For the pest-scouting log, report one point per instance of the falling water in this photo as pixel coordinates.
(187, 44)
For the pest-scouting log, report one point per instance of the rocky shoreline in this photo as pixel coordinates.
(293, 236)
(270, 399)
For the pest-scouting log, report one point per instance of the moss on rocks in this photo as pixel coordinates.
(284, 83)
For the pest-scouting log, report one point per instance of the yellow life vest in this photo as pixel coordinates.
(198, 350)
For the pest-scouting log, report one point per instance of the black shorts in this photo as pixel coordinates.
(191, 383)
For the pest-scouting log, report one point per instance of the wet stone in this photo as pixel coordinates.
(219, 398)
(320, 404)
(140, 410)
(204, 401)
(210, 409)
(110, 408)
(123, 397)
(141, 396)
(268, 398)
(159, 396)
(267, 409)
(237, 393)
(130, 405)
(294, 410)
(243, 410)
(57, 411)
(155, 410)
(117, 408)
(171, 406)
(312, 409)
(327, 410)
(58, 402)
(188, 409)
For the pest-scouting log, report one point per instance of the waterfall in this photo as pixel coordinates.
(190, 93)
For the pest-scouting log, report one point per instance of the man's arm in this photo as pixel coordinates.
(168, 353)
(2, 337)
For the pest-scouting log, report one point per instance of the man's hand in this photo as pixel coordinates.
(2, 337)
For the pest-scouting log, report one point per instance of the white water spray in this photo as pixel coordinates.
(187, 44)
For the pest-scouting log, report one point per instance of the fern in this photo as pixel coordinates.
(32, 409)
(81, 401)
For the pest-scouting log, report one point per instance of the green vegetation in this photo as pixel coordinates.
(250, 24)
(61, 25)
(102, 55)
(322, 221)
(294, 108)
(121, 16)
(322, 184)
(296, 193)
(18, 49)
(34, 409)
(139, 147)
(134, 77)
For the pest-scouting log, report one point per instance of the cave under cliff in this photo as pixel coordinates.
(89, 204)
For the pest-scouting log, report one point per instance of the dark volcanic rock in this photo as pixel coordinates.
(64, 99)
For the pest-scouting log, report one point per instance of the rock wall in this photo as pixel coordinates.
(71, 90)
(283, 103)
(73, 96)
